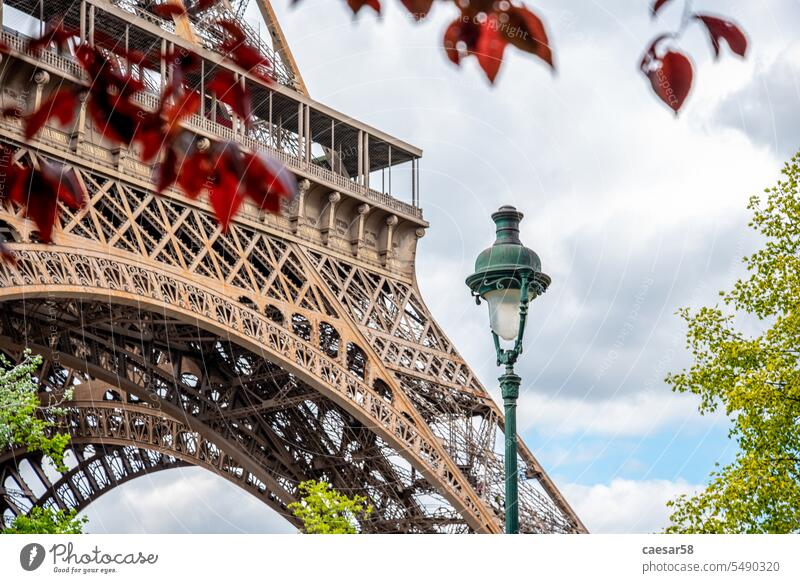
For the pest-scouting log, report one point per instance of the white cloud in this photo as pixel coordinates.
(625, 506)
(638, 414)
(765, 108)
(184, 500)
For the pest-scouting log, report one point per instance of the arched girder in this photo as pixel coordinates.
(97, 469)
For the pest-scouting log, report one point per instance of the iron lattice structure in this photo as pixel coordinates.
(295, 346)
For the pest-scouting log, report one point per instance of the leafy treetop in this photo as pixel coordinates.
(47, 521)
(323, 510)
(24, 420)
(755, 378)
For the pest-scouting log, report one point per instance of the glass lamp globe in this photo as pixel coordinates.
(504, 312)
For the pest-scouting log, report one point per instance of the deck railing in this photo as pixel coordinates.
(66, 64)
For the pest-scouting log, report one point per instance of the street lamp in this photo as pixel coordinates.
(508, 276)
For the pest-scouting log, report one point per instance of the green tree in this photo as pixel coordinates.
(755, 377)
(26, 422)
(323, 510)
(47, 521)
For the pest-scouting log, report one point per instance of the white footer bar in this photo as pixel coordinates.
(399, 558)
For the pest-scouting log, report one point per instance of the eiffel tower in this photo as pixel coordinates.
(295, 346)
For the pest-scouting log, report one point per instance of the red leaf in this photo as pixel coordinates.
(356, 5)
(167, 10)
(526, 31)
(181, 107)
(39, 191)
(183, 61)
(134, 57)
(225, 199)
(195, 173)
(64, 181)
(228, 90)
(672, 79)
(116, 118)
(160, 127)
(54, 33)
(658, 5)
(166, 171)
(41, 208)
(462, 30)
(113, 112)
(105, 74)
(419, 9)
(484, 31)
(451, 39)
(40, 201)
(249, 59)
(61, 105)
(237, 50)
(490, 47)
(267, 181)
(223, 192)
(152, 140)
(21, 180)
(724, 29)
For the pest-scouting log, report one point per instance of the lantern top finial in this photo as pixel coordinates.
(507, 260)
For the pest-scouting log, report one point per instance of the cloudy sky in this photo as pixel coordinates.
(635, 213)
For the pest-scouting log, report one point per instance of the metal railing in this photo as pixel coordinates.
(298, 165)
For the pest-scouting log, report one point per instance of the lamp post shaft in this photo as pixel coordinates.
(509, 386)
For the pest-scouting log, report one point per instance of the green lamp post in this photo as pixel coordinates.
(508, 276)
